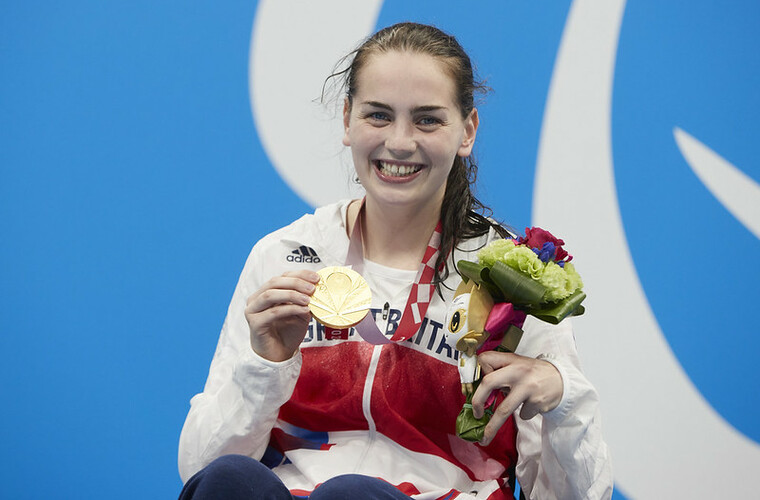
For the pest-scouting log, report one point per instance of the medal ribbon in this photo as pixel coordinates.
(419, 297)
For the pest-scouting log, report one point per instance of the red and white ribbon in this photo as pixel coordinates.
(419, 297)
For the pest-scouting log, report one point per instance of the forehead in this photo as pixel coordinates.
(402, 77)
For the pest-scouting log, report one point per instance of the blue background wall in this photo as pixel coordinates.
(133, 183)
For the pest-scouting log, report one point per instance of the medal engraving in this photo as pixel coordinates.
(342, 298)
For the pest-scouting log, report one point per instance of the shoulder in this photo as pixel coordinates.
(310, 225)
(315, 238)
(468, 249)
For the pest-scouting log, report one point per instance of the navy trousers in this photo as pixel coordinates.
(237, 477)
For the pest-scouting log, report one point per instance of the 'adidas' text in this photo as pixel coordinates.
(304, 254)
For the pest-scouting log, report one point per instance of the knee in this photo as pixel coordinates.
(351, 486)
(233, 476)
(229, 467)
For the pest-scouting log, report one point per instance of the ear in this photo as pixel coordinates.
(470, 131)
(481, 304)
(346, 119)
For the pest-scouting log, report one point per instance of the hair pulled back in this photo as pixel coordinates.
(462, 214)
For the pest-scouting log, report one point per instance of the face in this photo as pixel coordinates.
(405, 129)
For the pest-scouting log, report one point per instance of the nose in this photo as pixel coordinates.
(401, 140)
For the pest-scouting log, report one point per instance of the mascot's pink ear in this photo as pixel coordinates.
(504, 319)
(501, 316)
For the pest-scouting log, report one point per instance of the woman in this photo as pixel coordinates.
(336, 417)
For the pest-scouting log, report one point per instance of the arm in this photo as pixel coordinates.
(238, 407)
(561, 450)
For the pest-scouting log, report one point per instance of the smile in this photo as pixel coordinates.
(395, 169)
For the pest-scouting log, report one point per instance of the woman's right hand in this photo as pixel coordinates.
(278, 314)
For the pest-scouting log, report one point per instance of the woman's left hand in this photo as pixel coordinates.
(534, 383)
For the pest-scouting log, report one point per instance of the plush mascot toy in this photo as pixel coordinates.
(474, 324)
(465, 329)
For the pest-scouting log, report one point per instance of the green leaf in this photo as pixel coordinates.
(473, 271)
(479, 274)
(559, 311)
(516, 287)
(470, 428)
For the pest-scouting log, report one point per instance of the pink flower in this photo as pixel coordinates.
(535, 237)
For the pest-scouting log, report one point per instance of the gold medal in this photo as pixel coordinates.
(342, 298)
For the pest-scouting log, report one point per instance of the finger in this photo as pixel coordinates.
(285, 282)
(279, 313)
(501, 414)
(503, 378)
(272, 297)
(303, 274)
(493, 360)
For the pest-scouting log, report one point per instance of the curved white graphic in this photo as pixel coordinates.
(732, 187)
(666, 440)
(293, 47)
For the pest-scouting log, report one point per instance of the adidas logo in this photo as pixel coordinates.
(304, 254)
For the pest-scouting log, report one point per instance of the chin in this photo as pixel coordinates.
(402, 197)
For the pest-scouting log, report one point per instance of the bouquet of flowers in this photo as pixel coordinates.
(531, 275)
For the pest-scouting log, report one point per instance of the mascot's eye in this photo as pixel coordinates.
(457, 321)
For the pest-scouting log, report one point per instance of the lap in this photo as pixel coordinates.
(352, 486)
(237, 477)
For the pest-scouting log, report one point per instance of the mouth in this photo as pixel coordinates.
(396, 170)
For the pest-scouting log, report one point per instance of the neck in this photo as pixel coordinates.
(395, 236)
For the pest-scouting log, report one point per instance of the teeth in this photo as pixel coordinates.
(394, 170)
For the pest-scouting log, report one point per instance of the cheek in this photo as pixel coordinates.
(364, 139)
(360, 153)
(444, 150)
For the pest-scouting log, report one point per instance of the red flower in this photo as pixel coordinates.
(535, 237)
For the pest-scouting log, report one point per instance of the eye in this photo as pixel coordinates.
(429, 122)
(457, 321)
(377, 117)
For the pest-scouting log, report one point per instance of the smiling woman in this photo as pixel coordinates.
(296, 408)
(405, 130)
(430, 79)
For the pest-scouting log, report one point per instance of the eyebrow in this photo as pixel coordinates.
(418, 109)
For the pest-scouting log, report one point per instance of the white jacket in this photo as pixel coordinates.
(345, 406)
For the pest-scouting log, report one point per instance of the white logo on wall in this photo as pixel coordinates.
(293, 50)
(663, 434)
(666, 440)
